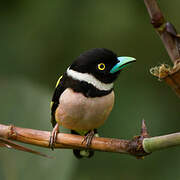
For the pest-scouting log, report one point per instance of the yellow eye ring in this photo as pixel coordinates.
(101, 66)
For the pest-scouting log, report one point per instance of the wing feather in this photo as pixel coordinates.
(55, 99)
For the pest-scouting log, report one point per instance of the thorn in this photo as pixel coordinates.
(144, 132)
(171, 29)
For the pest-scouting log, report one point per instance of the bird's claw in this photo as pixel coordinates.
(53, 137)
(52, 140)
(88, 138)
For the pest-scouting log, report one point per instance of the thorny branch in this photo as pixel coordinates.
(139, 146)
(70, 141)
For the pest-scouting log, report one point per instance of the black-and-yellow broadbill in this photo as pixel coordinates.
(84, 96)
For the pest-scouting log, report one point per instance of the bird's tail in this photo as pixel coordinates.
(83, 153)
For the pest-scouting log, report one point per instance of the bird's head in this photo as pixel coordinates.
(101, 63)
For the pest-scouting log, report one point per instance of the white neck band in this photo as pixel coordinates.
(90, 79)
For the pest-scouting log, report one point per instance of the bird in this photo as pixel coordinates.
(84, 97)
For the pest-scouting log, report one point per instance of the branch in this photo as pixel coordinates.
(171, 41)
(165, 30)
(161, 142)
(139, 146)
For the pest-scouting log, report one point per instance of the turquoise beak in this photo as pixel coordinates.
(122, 62)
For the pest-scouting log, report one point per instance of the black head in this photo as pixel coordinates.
(101, 63)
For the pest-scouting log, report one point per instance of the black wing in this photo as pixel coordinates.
(55, 99)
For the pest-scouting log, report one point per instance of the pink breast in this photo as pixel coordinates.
(77, 112)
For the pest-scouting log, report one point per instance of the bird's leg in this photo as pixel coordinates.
(53, 136)
(88, 138)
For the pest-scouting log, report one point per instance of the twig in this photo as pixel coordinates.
(165, 30)
(139, 146)
(171, 41)
(12, 145)
(161, 142)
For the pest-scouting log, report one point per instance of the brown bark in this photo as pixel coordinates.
(70, 141)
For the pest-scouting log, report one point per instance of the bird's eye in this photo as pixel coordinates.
(101, 66)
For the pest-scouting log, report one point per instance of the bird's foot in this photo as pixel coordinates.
(88, 138)
(53, 136)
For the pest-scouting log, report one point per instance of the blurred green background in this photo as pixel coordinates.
(38, 41)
